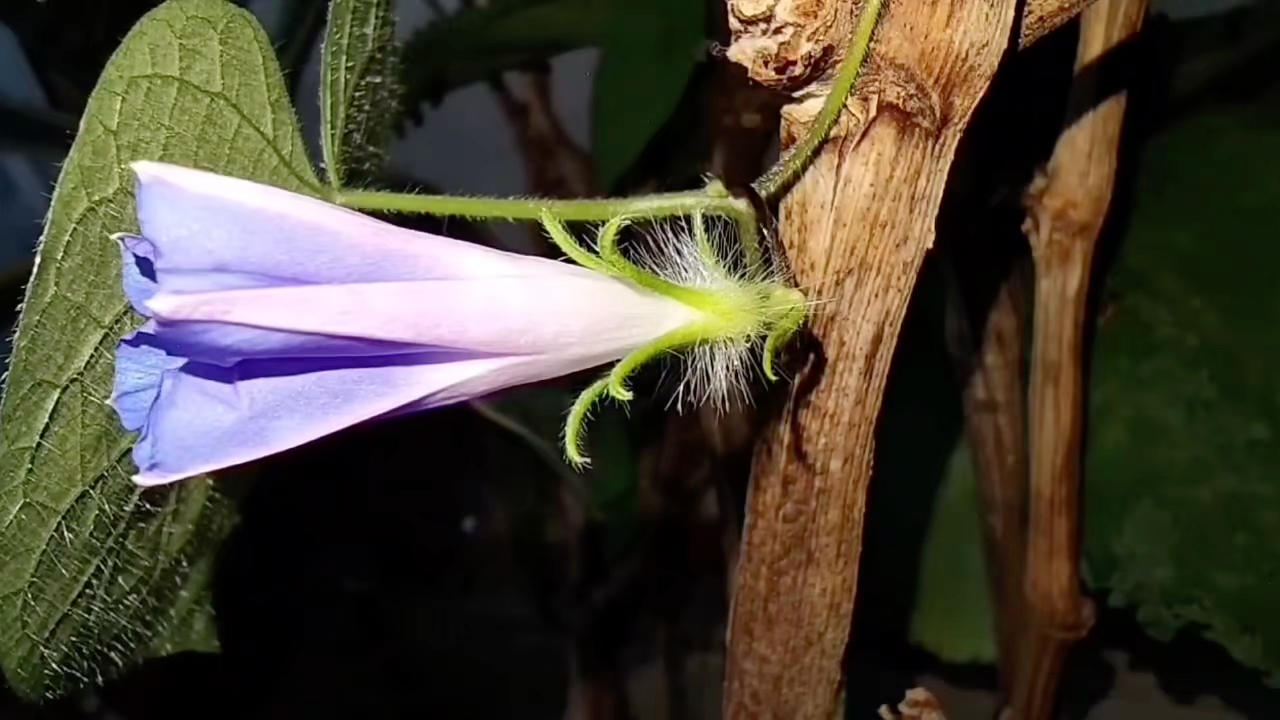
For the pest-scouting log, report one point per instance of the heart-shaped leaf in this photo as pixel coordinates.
(95, 573)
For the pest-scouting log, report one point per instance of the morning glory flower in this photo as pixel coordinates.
(273, 319)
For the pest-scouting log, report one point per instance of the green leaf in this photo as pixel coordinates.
(359, 87)
(1183, 485)
(482, 41)
(192, 626)
(952, 617)
(95, 573)
(650, 52)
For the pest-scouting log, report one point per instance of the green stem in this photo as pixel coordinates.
(712, 200)
(778, 179)
(567, 210)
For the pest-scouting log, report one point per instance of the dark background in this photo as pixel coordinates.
(437, 567)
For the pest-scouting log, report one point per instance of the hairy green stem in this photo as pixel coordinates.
(778, 179)
(713, 200)
(567, 210)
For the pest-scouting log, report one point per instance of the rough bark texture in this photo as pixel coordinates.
(1041, 17)
(1067, 206)
(855, 228)
(995, 426)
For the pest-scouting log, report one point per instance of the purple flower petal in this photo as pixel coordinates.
(214, 232)
(206, 417)
(275, 319)
(226, 344)
(525, 315)
(139, 368)
(138, 270)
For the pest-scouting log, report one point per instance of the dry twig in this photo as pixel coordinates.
(1066, 208)
(855, 228)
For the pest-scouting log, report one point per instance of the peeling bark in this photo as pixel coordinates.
(855, 228)
(1041, 17)
(919, 704)
(1066, 208)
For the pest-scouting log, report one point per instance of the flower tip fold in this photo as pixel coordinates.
(137, 271)
(145, 170)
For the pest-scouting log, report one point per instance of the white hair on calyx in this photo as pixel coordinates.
(705, 253)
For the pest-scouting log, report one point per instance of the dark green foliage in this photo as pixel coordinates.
(1183, 493)
(359, 89)
(649, 51)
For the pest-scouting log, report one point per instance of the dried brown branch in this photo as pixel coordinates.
(557, 167)
(1066, 208)
(744, 123)
(1041, 17)
(554, 164)
(995, 426)
(855, 228)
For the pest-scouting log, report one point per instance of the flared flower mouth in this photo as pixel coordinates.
(273, 319)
